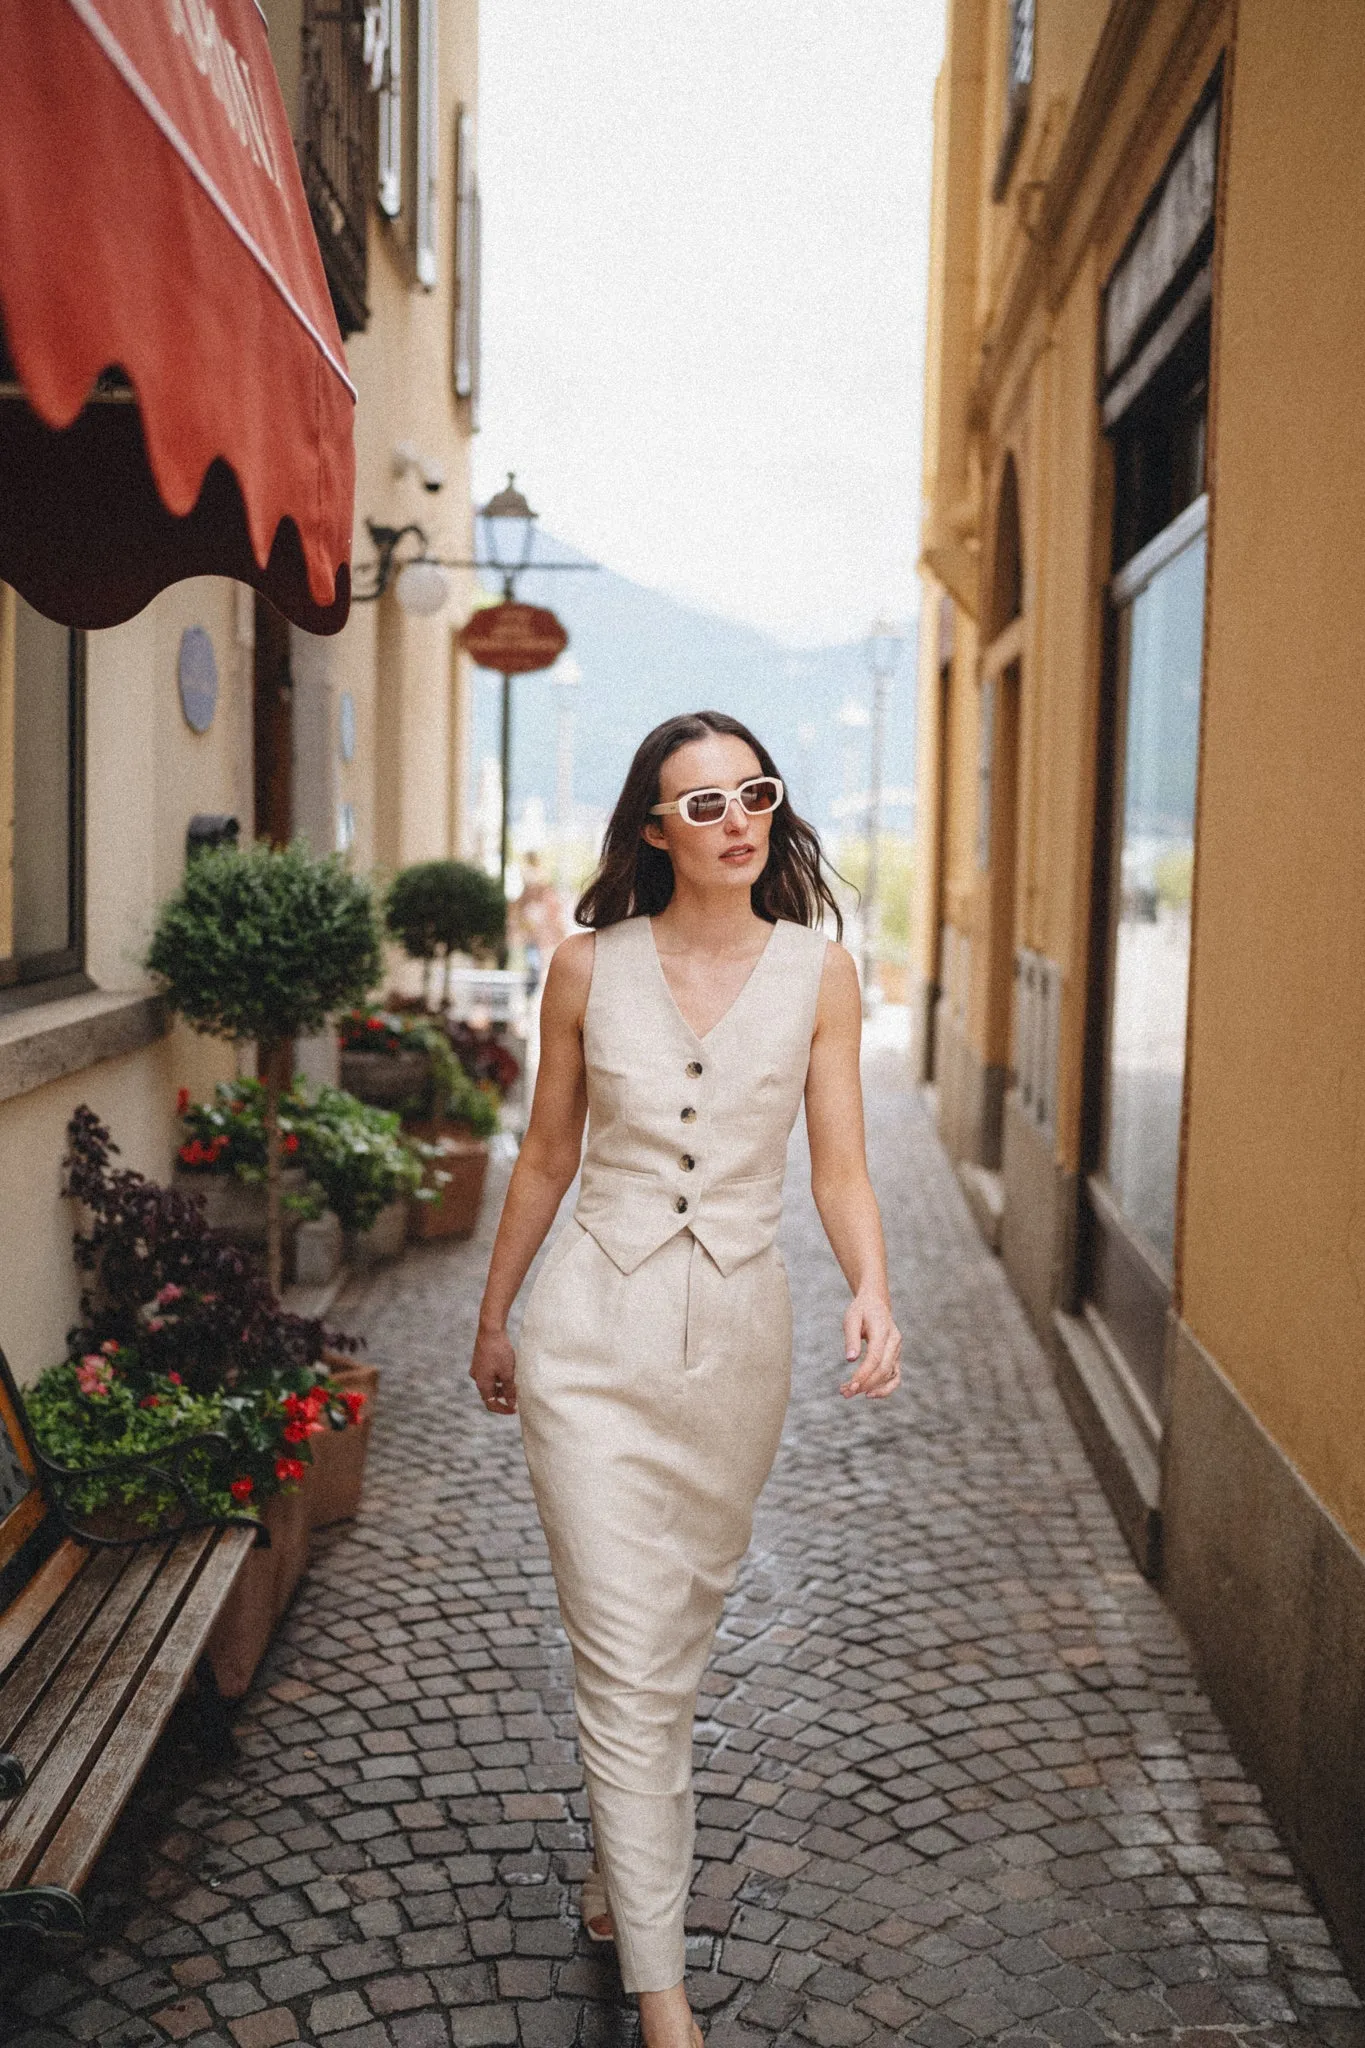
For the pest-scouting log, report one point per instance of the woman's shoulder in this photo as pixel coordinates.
(570, 969)
(812, 941)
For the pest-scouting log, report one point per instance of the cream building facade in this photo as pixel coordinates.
(1139, 940)
(208, 705)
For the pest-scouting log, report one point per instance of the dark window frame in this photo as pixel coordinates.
(42, 977)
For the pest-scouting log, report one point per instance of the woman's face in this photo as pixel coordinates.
(730, 854)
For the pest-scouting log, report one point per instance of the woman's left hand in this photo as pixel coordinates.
(868, 1318)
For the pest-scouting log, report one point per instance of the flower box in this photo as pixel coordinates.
(237, 1207)
(383, 1240)
(385, 1079)
(462, 1160)
(265, 1586)
(338, 1469)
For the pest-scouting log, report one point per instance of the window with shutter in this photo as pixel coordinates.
(408, 142)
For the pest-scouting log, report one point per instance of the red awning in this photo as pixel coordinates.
(153, 222)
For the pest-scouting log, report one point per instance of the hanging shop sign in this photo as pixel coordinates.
(515, 639)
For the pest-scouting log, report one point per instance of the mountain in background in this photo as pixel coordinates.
(645, 655)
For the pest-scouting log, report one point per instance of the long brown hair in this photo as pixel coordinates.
(635, 879)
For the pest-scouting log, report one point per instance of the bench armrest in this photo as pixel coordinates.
(166, 1469)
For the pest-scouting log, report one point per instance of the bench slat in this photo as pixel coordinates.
(71, 1853)
(44, 1802)
(52, 1648)
(25, 1614)
(58, 1689)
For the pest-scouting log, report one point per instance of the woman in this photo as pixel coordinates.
(655, 1353)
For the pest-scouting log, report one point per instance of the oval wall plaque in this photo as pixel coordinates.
(197, 672)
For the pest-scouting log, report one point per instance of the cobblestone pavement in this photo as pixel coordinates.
(956, 1780)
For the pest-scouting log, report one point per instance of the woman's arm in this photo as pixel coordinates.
(838, 1178)
(546, 1164)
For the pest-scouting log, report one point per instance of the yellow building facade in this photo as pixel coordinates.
(111, 742)
(1140, 918)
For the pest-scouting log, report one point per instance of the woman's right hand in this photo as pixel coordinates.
(494, 1371)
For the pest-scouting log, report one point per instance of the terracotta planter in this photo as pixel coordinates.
(383, 1240)
(455, 1212)
(338, 1469)
(385, 1079)
(265, 1586)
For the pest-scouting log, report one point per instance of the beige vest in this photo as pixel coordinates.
(688, 1133)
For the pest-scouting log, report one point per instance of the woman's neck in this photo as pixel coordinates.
(713, 921)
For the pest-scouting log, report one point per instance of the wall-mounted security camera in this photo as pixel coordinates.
(408, 460)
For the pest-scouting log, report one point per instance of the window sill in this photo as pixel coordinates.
(48, 1040)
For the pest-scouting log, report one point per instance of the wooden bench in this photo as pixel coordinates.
(99, 1636)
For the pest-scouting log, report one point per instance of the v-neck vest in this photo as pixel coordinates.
(689, 1133)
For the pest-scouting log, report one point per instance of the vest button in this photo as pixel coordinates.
(693, 1069)
(681, 1205)
(689, 1116)
(687, 1162)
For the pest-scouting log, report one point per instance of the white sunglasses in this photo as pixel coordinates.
(761, 793)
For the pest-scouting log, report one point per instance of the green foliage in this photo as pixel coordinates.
(227, 1135)
(440, 907)
(449, 1090)
(358, 1157)
(895, 886)
(101, 1407)
(264, 943)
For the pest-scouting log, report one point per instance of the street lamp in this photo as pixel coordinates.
(509, 531)
(884, 644)
(509, 527)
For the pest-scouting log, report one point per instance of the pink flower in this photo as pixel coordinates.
(93, 1374)
(110, 1347)
(169, 1293)
(155, 1323)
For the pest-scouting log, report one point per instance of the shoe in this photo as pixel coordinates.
(594, 1907)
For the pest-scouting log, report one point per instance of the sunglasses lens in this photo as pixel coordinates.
(706, 806)
(759, 795)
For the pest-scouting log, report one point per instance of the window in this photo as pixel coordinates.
(1018, 86)
(335, 145)
(41, 748)
(465, 305)
(404, 37)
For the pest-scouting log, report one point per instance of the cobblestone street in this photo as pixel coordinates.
(957, 1781)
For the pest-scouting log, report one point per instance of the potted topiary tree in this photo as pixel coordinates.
(443, 907)
(264, 945)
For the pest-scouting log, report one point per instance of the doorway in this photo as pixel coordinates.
(272, 724)
(998, 809)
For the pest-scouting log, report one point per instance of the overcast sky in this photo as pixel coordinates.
(705, 245)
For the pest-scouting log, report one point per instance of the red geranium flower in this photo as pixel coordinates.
(287, 1469)
(296, 1432)
(175, 1379)
(291, 1143)
(242, 1489)
(352, 1402)
(150, 1401)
